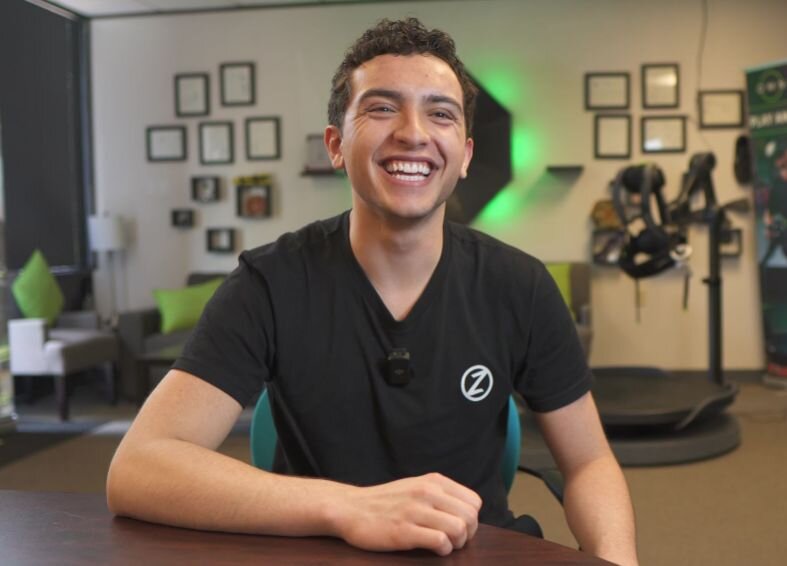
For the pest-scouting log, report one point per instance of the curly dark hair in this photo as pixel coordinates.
(400, 37)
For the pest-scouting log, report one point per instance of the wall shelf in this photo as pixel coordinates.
(565, 169)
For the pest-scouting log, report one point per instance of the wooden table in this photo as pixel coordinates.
(65, 528)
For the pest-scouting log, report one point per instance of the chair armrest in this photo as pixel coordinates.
(134, 326)
(552, 479)
(132, 329)
(26, 338)
(78, 319)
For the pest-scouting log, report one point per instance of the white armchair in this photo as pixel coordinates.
(75, 343)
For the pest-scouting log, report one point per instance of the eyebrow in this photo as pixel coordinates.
(398, 97)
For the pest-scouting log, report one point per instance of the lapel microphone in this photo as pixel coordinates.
(397, 367)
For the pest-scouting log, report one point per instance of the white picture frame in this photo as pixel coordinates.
(612, 136)
(166, 143)
(192, 94)
(215, 143)
(237, 84)
(663, 134)
(263, 138)
(607, 91)
(721, 109)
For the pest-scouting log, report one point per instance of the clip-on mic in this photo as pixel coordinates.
(397, 367)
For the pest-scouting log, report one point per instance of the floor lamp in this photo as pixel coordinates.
(107, 235)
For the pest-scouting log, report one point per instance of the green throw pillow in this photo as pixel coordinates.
(561, 273)
(36, 291)
(181, 308)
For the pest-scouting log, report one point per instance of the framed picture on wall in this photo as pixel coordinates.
(254, 201)
(660, 85)
(215, 143)
(721, 108)
(263, 138)
(221, 240)
(192, 94)
(183, 218)
(237, 84)
(166, 143)
(663, 134)
(606, 91)
(205, 189)
(612, 136)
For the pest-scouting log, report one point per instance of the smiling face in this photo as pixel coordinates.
(403, 141)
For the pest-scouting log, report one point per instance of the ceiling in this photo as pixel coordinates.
(110, 8)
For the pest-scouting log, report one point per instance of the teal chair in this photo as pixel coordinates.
(263, 439)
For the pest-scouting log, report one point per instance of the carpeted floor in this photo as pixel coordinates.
(726, 511)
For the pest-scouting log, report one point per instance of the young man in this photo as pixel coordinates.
(317, 317)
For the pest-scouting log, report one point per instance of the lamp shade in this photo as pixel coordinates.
(106, 233)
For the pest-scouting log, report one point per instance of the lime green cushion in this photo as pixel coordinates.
(181, 308)
(561, 273)
(36, 291)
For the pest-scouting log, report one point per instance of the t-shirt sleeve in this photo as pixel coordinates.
(231, 346)
(556, 371)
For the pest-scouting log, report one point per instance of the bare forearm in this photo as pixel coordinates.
(182, 484)
(599, 511)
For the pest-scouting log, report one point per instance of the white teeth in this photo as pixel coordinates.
(408, 167)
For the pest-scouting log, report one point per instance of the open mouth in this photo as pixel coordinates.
(410, 171)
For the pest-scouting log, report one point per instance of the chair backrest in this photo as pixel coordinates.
(263, 439)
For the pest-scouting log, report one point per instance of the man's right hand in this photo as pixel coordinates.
(431, 512)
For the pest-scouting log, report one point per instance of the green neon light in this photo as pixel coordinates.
(502, 208)
(525, 149)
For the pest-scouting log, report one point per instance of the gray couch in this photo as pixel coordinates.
(139, 332)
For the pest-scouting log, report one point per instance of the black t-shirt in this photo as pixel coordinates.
(300, 317)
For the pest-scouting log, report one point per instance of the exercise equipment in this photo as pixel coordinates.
(650, 415)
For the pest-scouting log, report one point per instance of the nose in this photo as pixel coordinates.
(411, 129)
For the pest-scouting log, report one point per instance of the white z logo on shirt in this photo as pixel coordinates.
(477, 383)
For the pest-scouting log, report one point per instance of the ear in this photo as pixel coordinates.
(468, 158)
(333, 145)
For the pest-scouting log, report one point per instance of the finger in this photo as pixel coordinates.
(452, 526)
(458, 508)
(417, 536)
(458, 490)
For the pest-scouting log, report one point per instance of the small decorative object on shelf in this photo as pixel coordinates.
(317, 160)
(205, 189)
(183, 218)
(221, 240)
(253, 197)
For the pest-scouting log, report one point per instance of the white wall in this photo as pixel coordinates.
(540, 49)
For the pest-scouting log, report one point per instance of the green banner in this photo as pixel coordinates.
(767, 97)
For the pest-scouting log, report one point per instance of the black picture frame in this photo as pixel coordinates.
(254, 201)
(263, 138)
(603, 91)
(220, 240)
(205, 189)
(673, 139)
(166, 143)
(656, 94)
(216, 143)
(237, 83)
(192, 94)
(601, 145)
(182, 217)
(715, 112)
